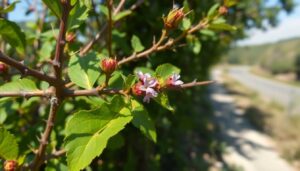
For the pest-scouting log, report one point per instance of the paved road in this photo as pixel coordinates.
(246, 147)
(286, 95)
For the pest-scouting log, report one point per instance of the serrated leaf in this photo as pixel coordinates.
(13, 35)
(9, 8)
(87, 132)
(78, 15)
(163, 100)
(222, 26)
(84, 71)
(19, 85)
(166, 70)
(136, 44)
(54, 6)
(121, 15)
(142, 121)
(8, 145)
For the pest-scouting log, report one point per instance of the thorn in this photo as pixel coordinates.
(55, 63)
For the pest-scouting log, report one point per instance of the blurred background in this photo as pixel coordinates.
(248, 120)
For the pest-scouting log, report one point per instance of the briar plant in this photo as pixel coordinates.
(66, 71)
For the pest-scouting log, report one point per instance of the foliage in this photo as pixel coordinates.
(276, 58)
(90, 105)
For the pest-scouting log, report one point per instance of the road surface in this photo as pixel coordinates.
(286, 95)
(246, 147)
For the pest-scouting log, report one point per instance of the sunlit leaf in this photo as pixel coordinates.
(8, 145)
(54, 6)
(88, 132)
(84, 71)
(136, 44)
(13, 35)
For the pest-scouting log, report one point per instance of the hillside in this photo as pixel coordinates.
(277, 57)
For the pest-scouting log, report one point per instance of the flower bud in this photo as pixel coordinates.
(136, 89)
(223, 10)
(10, 165)
(70, 37)
(174, 17)
(3, 68)
(109, 65)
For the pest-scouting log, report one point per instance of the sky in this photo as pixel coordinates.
(289, 26)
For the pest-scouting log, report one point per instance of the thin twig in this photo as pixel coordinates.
(27, 94)
(87, 47)
(60, 44)
(110, 26)
(39, 157)
(165, 46)
(25, 71)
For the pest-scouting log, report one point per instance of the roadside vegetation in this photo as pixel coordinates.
(280, 60)
(268, 117)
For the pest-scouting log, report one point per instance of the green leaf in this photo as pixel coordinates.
(121, 15)
(142, 121)
(144, 70)
(84, 71)
(78, 15)
(213, 11)
(166, 70)
(104, 10)
(222, 26)
(87, 132)
(129, 82)
(194, 44)
(9, 8)
(186, 24)
(136, 44)
(13, 35)
(163, 100)
(19, 85)
(46, 50)
(8, 145)
(54, 6)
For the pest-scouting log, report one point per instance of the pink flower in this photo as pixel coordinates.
(147, 86)
(173, 80)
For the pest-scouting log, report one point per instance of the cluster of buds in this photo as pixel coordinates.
(109, 65)
(174, 17)
(149, 86)
(223, 10)
(3, 68)
(10, 165)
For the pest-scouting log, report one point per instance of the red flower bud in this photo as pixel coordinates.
(70, 37)
(223, 10)
(3, 68)
(109, 65)
(10, 165)
(174, 17)
(136, 89)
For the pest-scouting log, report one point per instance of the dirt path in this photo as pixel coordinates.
(246, 147)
